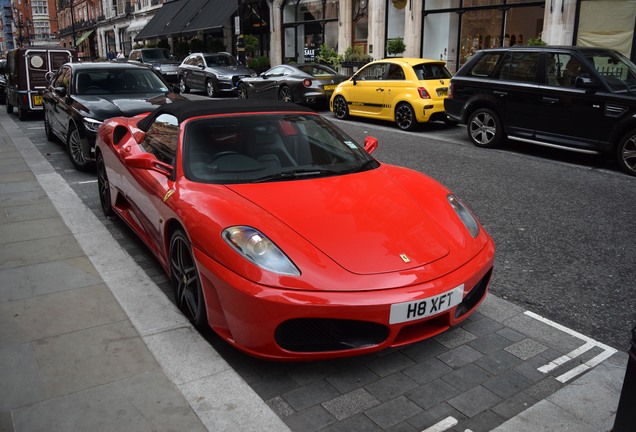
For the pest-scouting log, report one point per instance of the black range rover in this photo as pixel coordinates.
(575, 98)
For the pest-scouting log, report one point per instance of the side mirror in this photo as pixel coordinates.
(148, 162)
(370, 144)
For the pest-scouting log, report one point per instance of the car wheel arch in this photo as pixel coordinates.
(472, 105)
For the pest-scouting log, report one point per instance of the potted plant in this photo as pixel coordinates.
(395, 47)
(355, 57)
(329, 56)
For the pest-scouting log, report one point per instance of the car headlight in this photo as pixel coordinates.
(255, 247)
(224, 77)
(91, 125)
(464, 214)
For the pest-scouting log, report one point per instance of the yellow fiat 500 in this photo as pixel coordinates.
(408, 91)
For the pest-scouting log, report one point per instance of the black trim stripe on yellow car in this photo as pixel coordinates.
(369, 104)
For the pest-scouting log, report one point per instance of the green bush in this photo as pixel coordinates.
(261, 62)
(251, 43)
(536, 42)
(329, 56)
(356, 54)
(395, 46)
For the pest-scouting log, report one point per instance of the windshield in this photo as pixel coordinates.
(118, 81)
(220, 60)
(156, 54)
(618, 71)
(272, 147)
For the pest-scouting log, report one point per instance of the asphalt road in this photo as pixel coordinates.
(563, 223)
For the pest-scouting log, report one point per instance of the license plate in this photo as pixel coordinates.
(442, 92)
(418, 309)
(37, 100)
(330, 86)
(171, 73)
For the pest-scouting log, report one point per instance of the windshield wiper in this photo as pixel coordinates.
(294, 174)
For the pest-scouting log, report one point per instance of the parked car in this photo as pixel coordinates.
(306, 84)
(3, 81)
(216, 73)
(27, 69)
(407, 91)
(575, 98)
(287, 237)
(80, 96)
(159, 58)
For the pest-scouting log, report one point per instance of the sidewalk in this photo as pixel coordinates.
(88, 342)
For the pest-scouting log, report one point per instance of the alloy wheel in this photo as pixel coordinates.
(285, 94)
(103, 187)
(185, 279)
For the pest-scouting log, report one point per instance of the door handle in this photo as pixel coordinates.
(379, 89)
(500, 93)
(549, 100)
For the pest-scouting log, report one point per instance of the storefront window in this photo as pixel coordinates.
(608, 24)
(455, 36)
(307, 25)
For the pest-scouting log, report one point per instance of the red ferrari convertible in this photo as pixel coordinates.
(285, 236)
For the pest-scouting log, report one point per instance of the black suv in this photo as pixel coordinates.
(160, 60)
(575, 98)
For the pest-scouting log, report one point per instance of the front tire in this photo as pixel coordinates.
(210, 90)
(183, 87)
(75, 151)
(185, 279)
(340, 108)
(103, 186)
(626, 153)
(484, 128)
(285, 94)
(241, 91)
(405, 117)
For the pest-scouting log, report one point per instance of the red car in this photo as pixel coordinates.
(285, 236)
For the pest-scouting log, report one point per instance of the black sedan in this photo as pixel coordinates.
(80, 96)
(305, 84)
(216, 73)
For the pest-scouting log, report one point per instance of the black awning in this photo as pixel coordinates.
(187, 14)
(215, 14)
(163, 17)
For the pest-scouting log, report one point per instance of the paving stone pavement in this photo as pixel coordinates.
(90, 340)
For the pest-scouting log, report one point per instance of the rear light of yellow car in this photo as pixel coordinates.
(307, 83)
(423, 93)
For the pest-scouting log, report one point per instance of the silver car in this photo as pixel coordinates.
(216, 73)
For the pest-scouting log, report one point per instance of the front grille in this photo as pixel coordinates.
(324, 334)
(474, 296)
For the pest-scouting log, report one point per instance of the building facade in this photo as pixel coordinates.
(446, 29)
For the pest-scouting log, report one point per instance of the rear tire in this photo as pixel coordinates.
(626, 153)
(484, 128)
(285, 94)
(405, 117)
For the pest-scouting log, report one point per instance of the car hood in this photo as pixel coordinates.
(103, 107)
(366, 222)
(231, 70)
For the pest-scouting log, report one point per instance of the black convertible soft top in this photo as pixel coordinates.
(195, 108)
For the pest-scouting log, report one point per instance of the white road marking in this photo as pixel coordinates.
(589, 344)
(443, 425)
